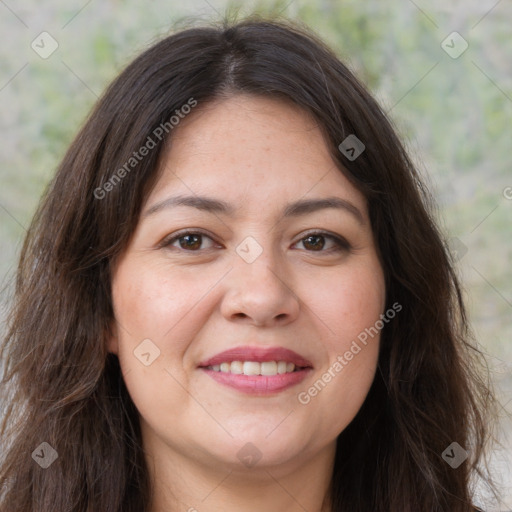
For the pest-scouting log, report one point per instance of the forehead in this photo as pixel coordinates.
(251, 148)
(244, 125)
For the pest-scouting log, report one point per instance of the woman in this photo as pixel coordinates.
(234, 296)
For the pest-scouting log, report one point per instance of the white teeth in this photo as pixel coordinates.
(236, 367)
(281, 367)
(267, 368)
(251, 368)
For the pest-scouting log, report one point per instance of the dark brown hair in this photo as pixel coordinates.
(64, 388)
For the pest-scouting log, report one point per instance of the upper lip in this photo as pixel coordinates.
(258, 354)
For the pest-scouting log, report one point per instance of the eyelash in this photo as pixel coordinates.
(341, 245)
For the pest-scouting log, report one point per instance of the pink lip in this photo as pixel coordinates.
(258, 354)
(258, 384)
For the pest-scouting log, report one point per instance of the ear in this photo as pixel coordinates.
(112, 338)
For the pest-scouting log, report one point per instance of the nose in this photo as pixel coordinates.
(257, 293)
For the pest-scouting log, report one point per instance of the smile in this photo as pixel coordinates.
(257, 370)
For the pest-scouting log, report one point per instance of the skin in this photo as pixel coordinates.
(256, 154)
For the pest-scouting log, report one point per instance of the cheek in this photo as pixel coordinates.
(151, 310)
(167, 308)
(151, 302)
(349, 307)
(351, 301)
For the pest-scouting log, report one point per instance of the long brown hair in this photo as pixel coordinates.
(62, 387)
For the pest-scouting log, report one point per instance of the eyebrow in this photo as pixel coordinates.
(295, 209)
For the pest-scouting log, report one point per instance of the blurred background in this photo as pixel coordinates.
(441, 69)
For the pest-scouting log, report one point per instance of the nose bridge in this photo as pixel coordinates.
(257, 286)
(258, 266)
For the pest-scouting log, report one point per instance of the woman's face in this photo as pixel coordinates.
(236, 267)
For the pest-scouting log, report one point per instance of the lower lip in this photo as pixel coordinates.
(258, 384)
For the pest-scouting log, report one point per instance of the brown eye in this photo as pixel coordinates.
(188, 241)
(315, 242)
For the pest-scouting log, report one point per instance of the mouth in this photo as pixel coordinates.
(257, 370)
